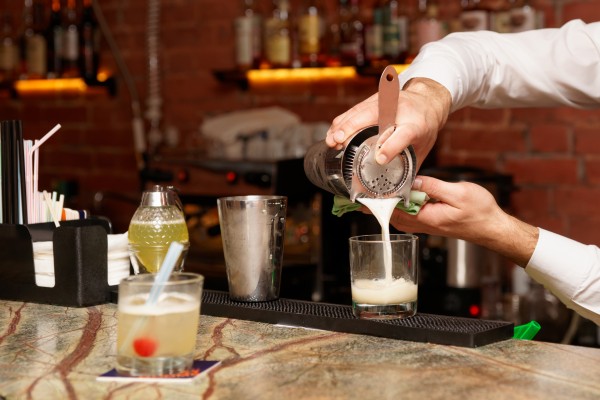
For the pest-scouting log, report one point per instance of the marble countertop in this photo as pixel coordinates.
(50, 352)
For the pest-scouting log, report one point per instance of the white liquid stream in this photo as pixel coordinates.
(388, 290)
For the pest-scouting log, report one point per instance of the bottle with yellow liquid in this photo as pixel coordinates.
(157, 222)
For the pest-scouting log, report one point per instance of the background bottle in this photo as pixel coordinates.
(474, 16)
(278, 41)
(522, 16)
(352, 51)
(248, 32)
(310, 34)
(54, 38)
(33, 41)
(374, 36)
(9, 51)
(428, 26)
(89, 43)
(70, 47)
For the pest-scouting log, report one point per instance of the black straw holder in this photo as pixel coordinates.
(80, 250)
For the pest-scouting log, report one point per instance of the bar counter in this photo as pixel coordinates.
(52, 352)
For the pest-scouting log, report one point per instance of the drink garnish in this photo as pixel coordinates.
(145, 346)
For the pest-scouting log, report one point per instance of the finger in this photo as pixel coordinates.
(358, 117)
(446, 192)
(393, 142)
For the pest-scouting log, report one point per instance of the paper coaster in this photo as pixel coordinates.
(198, 368)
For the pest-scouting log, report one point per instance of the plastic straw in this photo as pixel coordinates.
(50, 205)
(166, 268)
(47, 136)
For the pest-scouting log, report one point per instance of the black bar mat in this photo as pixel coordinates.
(429, 328)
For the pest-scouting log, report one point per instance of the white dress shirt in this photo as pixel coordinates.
(539, 68)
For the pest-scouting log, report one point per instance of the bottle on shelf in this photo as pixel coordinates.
(474, 16)
(352, 49)
(374, 36)
(70, 47)
(248, 40)
(395, 31)
(310, 34)
(278, 38)
(428, 26)
(9, 50)
(500, 15)
(89, 43)
(522, 16)
(54, 38)
(33, 41)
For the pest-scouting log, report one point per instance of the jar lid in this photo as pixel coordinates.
(160, 196)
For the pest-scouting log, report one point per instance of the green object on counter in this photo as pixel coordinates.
(342, 205)
(527, 331)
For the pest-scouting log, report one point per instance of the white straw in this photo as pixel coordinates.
(50, 205)
(166, 268)
(46, 137)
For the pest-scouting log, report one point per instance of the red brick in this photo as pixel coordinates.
(592, 171)
(551, 171)
(585, 10)
(581, 202)
(531, 202)
(587, 141)
(585, 230)
(493, 116)
(549, 138)
(490, 140)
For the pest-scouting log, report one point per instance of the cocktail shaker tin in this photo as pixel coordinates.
(352, 171)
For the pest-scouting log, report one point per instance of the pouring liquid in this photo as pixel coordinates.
(387, 290)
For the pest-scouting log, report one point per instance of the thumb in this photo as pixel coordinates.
(439, 190)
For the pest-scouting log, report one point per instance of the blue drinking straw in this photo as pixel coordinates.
(165, 270)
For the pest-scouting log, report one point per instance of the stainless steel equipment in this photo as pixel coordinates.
(252, 229)
(352, 171)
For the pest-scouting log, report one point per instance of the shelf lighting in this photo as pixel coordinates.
(300, 74)
(50, 85)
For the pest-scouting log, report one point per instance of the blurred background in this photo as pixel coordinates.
(223, 97)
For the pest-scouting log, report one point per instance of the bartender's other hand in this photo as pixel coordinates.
(423, 108)
(468, 211)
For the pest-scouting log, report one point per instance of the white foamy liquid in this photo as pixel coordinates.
(382, 209)
(171, 303)
(381, 292)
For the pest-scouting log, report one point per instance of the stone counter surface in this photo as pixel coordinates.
(50, 352)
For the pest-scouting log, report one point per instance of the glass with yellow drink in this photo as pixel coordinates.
(158, 339)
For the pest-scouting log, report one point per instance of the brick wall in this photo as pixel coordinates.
(554, 154)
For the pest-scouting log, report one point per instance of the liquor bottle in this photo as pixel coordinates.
(34, 48)
(395, 36)
(54, 38)
(473, 16)
(248, 41)
(352, 51)
(522, 17)
(374, 36)
(428, 26)
(278, 40)
(89, 43)
(9, 51)
(70, 47)
(500, 16)
(310, 34)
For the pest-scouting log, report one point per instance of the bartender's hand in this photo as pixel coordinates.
(467, 211)
(423, 108)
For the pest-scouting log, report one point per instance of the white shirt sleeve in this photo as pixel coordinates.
(544, 67)
(570, 270)
(538, 68)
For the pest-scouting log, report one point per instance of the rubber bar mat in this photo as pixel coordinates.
(429, 328)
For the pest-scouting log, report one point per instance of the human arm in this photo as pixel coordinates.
(569, 269)
(545, 67)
